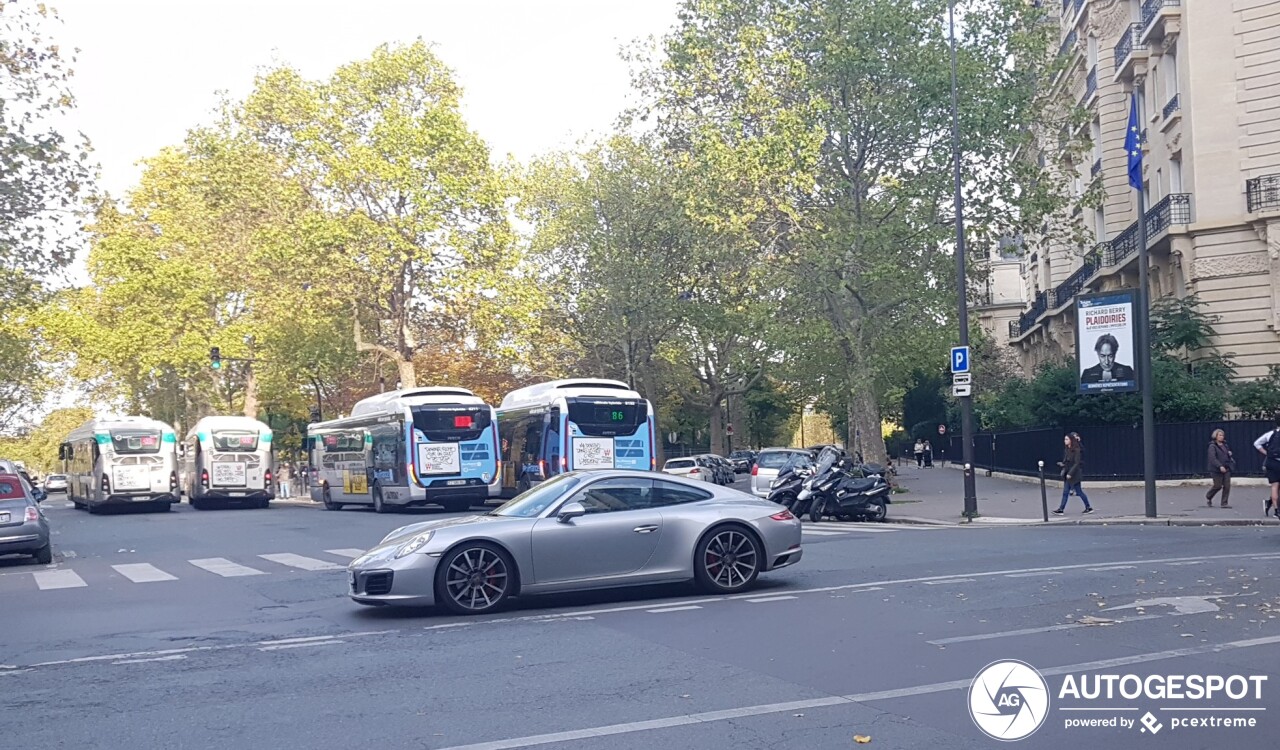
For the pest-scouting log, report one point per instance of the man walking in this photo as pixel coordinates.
(1269, 446)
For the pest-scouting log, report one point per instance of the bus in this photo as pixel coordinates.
(123, 461)
(228, 458)
(567, 425)
(411, 447)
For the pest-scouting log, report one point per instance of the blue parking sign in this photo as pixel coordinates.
(959, 359)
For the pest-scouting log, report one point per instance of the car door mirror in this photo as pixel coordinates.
(571, 511)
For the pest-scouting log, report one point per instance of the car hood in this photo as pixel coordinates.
(468, 523)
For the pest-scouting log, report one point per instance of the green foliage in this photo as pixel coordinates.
(1259, 399)
(770, 414)
(923, 405)
(38, 448)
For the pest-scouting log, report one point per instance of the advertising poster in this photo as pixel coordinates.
(1106, 342)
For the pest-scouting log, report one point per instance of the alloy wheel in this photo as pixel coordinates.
(477, 579)
(731, 560)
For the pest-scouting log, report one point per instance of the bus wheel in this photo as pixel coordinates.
(329, 504)
(93, 509)
(79, 505)
(378, 505)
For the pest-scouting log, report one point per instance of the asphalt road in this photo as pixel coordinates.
(230, 629)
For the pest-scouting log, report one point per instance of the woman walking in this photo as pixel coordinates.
(919, 451)
(1221, 465)
(1072, 464)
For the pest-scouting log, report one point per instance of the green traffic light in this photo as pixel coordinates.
(217, 365)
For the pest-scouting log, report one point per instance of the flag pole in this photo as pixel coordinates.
(1146, 380)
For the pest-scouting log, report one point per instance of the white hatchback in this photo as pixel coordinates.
(689, 468)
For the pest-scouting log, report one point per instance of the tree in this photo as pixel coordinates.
(832, 117)
(38, 448)
(414, 205)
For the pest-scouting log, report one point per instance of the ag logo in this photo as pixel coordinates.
(1008, 700)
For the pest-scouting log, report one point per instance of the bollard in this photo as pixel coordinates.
(1044, 494)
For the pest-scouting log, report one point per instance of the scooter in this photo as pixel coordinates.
(844, 490)
(784, 489)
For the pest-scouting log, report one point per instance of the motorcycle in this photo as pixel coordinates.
(844, 489)
(784, 489)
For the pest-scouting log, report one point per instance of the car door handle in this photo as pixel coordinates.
(646, 529)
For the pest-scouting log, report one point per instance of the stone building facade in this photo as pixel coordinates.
(1207, 73)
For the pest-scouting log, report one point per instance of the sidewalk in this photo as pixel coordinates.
(936, 496)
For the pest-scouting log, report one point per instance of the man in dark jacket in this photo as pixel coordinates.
(1107, 369)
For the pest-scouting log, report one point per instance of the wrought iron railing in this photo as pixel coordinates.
(1174, 105)
(1067, 43)
(1014, 330)
(1069, 288)
(1151, 9)
(1100, 256)
(1174, 209)
(1097, 167)
(1129, 41)
(1263, 192)
(1124, 244)
(1027, 320)
(1091, 83)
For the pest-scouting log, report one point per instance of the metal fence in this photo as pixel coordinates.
(1115, 451)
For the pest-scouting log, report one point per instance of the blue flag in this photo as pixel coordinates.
(1133, 145)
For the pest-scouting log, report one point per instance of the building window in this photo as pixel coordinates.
(1100, 224)
(1093, 51)
(1159, 183)
(1175, 174)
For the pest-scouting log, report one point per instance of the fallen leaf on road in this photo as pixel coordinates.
(861, 739)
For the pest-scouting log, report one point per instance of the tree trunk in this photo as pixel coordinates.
(408, 374)
(717, 424)
(864, 424)
(250, 393)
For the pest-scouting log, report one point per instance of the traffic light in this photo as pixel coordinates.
(315, 414)
(215, 358)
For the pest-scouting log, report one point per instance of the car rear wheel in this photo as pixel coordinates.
(44, 555)
(727, 560)
(474, 578)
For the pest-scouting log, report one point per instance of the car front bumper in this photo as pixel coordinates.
(378, 578)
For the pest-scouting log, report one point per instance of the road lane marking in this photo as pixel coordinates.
(763, 599)
(143, 573)
(173, 657)
(952, 580)
(708, 717)
(1033, 631)
(811, 532)
(1035, 573)
(1189, 562)
(298, 561)
(350, 552)
(284, 646)
(225, 568)
(662, 610)
(1113, 567)
(58, 579)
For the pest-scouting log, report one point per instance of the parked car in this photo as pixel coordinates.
(742, 461)
(726, 469)
(767, 465)
(23, 527)
(55, 483)
(692, 467)
(578, 531)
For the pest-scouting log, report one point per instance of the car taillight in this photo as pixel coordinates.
(204, 478)
(755, 470)
(33, 515)
(784, 515)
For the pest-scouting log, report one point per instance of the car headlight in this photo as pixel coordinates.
(414, 544)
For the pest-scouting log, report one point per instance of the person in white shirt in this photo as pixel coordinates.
(1269, 446)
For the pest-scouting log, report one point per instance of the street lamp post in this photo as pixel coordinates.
(966, 402)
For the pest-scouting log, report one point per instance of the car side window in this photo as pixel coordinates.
(670, 493)
(612, 495)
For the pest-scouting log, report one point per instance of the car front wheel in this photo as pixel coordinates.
(727, 560)
(474, 578)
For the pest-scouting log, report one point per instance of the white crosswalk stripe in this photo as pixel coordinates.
(349, 552)
(298, 561)
(143, 573)
(224, 567)
(58, 579)
(834, 528)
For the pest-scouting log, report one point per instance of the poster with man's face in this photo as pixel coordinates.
(1106, 342)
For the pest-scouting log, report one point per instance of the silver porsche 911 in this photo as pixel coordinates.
(578, 531)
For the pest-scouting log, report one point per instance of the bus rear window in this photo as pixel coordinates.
(606, 417)
(235, 441)
(127, 442)
(451, 423)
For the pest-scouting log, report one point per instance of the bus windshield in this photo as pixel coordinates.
(451, 423)
(238, 441)
(126, 442)
(605, 417)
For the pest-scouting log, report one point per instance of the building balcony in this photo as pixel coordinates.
(1172, 112)
(1160, 18)
(1090, 87)
(1071, 10)
(1263, 193)
(1096, 169)
(1108, 258)
(1068, 44)
(1131, 54)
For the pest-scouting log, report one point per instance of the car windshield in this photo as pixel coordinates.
(58, 477)
(682, 463)
(534, 501)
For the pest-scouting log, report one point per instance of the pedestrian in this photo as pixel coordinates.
(919, 451)
(1222, 464)
(1269, 446)
(284, 481)
(1072, 464)
(928, 454)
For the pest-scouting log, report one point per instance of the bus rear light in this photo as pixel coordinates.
(173, 481)
(204, 478)
(106, 484)
(267, 477)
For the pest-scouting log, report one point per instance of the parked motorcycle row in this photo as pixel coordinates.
(833, 485)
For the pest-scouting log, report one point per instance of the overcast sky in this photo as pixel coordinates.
(537, 74)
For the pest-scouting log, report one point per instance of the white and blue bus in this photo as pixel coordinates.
(121, 461)
(418, 446)
(568, 425)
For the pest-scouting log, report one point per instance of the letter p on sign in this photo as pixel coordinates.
(959, 359)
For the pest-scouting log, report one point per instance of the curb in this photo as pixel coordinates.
(995, 521)
(916, 521)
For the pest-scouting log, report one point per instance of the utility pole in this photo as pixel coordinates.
(962, 291)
